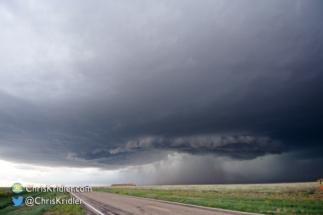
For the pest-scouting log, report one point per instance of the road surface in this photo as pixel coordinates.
(106, 203)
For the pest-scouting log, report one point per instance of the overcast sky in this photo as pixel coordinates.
(161, 92)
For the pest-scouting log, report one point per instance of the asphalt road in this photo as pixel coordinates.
(107, 203)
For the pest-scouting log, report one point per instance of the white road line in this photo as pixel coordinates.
(87, 204)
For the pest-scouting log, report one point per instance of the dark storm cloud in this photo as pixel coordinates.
(115, 83)
(241, 147)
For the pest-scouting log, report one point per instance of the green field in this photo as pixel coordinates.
(7, 208)
(284, 198)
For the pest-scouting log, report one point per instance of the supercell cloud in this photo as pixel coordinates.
(172, 88)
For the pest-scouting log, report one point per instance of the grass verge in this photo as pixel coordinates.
(289, 198)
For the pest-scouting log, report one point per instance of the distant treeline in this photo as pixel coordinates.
(115, 185)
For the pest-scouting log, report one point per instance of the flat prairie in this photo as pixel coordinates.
(276, 198)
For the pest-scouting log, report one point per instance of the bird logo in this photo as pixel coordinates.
(17, 201)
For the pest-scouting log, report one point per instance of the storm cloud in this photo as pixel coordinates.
(122, 85)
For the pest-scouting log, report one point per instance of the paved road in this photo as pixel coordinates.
(123, 205)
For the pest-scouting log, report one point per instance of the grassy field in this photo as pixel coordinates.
(285, 198)
(7, 208)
